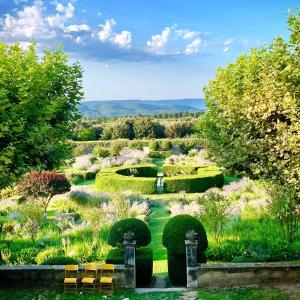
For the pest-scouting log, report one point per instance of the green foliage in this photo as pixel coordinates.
(138, 227)
(215, 213)
(47, 254)
(175, 230)
(175, 170)
(285, 209)
(144, 127)
(154, 145)
(206, 178)
(101, 152)
(60, 260)
(38, 103)
(120, 178)
(166, 145)
(252, 125)
(144, 263)
(87, 134)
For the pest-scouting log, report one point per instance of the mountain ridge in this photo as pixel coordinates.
(108, 108)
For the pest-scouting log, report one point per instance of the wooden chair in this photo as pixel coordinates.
(107, 277)
(90, 278)
(71, 278)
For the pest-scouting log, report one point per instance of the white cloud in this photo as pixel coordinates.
(30, 22)
(123, 39)
(228, 42)
(77, 28)
(159, 41)
(193, 47)
(187, 34)
(226, 49)
(107, 34)
(107, 30)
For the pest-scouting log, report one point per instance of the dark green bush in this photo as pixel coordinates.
(175, 230)
(101, 152)
(174, 240)
(110, 180)
(140, 228)
(144, 263)
(89, 175)
(60, 260)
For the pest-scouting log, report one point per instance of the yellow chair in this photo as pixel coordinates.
(107, 277)
(90, 278)
(71, 278)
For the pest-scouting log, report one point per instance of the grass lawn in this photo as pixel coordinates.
(159, 218)
(230, 294)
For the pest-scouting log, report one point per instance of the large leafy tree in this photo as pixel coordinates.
(253, 121)
(38, 102)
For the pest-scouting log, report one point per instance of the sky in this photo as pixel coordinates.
(146, 49)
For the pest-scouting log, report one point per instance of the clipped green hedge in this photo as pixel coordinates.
(205, 178)
(174, 240)
(140, 228)
(160, 154)
(175, 230)
(116, 179)
(144, 263)
(175, 170)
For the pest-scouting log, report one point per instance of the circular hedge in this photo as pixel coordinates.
(140, 178)
(140, 228)
(191, 179)
(175, 230)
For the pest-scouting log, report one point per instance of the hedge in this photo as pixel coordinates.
(174, 240)
(205, 178)
(174, 170)
(60, 260)
(111, 180)
(144, 263)
(175, 230)
(138, 227)
(87, 146)
(160, 154)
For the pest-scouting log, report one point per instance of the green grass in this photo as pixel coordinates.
(159, 218)
(200, 294)
(159, 162)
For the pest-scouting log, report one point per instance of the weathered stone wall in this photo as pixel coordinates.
(243, 274)
(47, 275)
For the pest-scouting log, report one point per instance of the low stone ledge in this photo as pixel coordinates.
(246, 274)
(47, 275)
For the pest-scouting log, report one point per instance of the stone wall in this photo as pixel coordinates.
(243, 274)
(47, 275)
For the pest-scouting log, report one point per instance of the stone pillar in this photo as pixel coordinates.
(192, 266)
(129, 244)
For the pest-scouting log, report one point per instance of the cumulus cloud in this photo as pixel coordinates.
(107, 34)
(193, 47)
(159, 41)
(226, 49)
(187, 34)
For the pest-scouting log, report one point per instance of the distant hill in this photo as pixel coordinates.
(110, 108)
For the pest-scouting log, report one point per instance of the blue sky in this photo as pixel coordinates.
(146, 49)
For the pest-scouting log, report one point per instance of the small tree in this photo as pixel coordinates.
(284, 207)
(215, 213)
(41, 187)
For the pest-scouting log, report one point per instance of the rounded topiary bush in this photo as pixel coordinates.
(174, 235)
(60, 260)
(176, 229)
(138, 227)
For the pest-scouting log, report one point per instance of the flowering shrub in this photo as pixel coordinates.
(83, 162)
(192, 209)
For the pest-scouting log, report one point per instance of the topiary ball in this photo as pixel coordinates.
(138, 227)
(175, 231)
